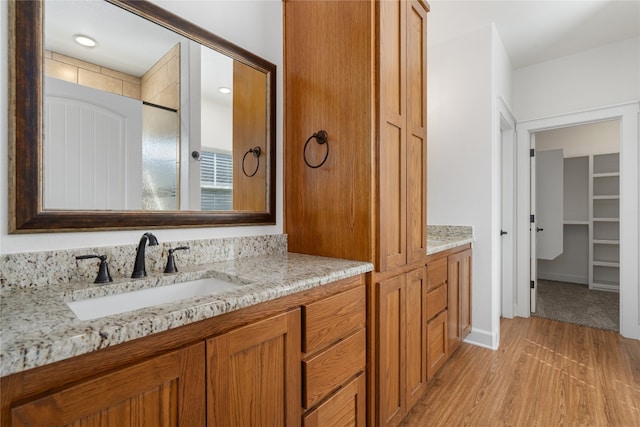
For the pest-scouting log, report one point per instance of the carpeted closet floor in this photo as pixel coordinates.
(574, 303)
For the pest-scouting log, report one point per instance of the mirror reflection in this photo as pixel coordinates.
(137, 117)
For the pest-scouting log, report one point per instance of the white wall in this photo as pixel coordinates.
(582, 140)
(607, 75)
(463, 162)
(255, 25)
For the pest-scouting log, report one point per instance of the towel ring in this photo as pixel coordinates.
(256, 151)
(321, 138)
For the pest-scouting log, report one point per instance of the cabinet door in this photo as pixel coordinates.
(416, 362)
(453, 303)
(437, 351)
(416, 132)
(345, 408)
(253, 374)
(459, 304)
(167, 390)
(464, 282)
(392, 222)
(391, 351)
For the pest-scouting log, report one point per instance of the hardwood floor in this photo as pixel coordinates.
(545, 373)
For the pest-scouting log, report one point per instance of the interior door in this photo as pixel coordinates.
(93, 154)
(549, 203)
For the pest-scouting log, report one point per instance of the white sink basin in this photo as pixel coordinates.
(94, 308)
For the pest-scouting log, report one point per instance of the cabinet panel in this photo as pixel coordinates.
(347, 407)
(391, 345)
(415, 362)
(328, 370)
(253, 373)
(453, 303)
(328, 320)
(416, 132)
(465, 294)
(437, 350)
(167, 390)
(437, 272)
(436, 301)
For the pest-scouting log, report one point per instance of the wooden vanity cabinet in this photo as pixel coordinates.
(253, 374)
(357, 70)
(334, 359)
(401, 340)
(166, 390)
(448, 304)
(252, 366)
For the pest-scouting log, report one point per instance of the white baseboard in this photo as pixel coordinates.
(559, 277)
(484, 339)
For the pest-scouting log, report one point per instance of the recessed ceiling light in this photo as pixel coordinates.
(84, 40)
(225, 90)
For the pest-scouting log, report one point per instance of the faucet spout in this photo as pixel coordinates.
(139, 267)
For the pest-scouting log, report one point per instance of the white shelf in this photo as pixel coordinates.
(606, 264)
(606, 175)
(604, 230)
(605, 242)
(575, 222)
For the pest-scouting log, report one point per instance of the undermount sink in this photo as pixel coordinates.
(94, 308)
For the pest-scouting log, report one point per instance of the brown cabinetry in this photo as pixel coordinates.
(167, 390)
(401, 347)
(241, 368)
(448, 305)
(334, 359)
(253, 373)
(459, 321)
(368, 200)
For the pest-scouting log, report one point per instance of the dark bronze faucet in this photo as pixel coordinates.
(139, 268)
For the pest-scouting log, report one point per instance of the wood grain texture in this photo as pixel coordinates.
(544, 373)
(329, 86)
(455, 266)
(253, 375)
(250, 130)
(347, 407)
(391, 347)
(437, 272)
(436, 301)
(437, 343)
(164, 391)
(416, 341)
(331, 319)
(325, 372)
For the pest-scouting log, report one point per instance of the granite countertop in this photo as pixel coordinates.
(39, 328)
(443, 237)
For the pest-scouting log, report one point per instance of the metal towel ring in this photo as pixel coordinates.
(256, 151)
(321, 138)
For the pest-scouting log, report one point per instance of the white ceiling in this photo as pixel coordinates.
(534, 31)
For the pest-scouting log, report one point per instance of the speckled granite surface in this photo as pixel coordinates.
(38, 327)
(443, 237)
(37, 269)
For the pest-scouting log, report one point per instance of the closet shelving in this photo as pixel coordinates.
(604, 228)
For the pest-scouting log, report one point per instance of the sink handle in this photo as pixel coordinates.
(171, 262)
(103, 271)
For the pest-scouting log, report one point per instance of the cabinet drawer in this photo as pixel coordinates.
(346, 407)
(437, 273)
(331, 319)
(328, 370)
(436, 301)
(436, 343)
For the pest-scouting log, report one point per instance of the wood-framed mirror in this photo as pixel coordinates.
(218, 167)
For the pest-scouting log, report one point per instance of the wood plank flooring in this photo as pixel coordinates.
(545, 373)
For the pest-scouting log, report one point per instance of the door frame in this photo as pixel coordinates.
(629, 212)
(507, 209)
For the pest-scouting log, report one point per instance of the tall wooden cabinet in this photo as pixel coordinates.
(357, 70)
